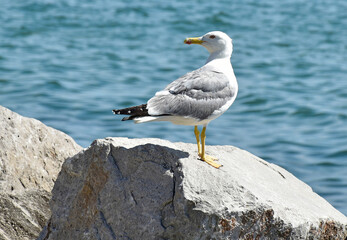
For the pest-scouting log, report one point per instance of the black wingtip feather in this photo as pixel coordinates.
(126, 118)
(136, 111)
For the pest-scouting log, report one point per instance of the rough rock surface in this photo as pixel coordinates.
(31, 155)
(120, 188)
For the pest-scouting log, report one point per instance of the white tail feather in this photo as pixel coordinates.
(145, 119)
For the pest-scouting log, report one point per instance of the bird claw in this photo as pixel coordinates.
(210, 160)
(207, 157)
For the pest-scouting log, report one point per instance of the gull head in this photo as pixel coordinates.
(216, 42)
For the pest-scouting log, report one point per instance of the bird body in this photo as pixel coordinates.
(197, 97)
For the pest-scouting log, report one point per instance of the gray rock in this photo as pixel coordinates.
(31, 155)
(120, 188)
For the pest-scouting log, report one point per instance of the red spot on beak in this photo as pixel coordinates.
(188, 42)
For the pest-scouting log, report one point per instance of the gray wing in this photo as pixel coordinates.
(197, 94)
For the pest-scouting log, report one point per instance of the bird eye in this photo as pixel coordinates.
(212, 36)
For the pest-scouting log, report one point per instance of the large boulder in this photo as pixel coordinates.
(31, 155)
(120, 188)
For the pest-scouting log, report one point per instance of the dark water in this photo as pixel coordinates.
(69, 63)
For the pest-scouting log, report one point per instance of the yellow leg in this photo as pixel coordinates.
(197, 135)
(210, 160)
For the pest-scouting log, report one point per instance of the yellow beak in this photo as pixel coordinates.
(195, 40)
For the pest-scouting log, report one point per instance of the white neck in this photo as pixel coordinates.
(221, 64)
(218, 55)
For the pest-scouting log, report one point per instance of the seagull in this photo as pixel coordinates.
(197, 97)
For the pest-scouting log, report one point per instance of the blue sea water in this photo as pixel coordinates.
(68, 63)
